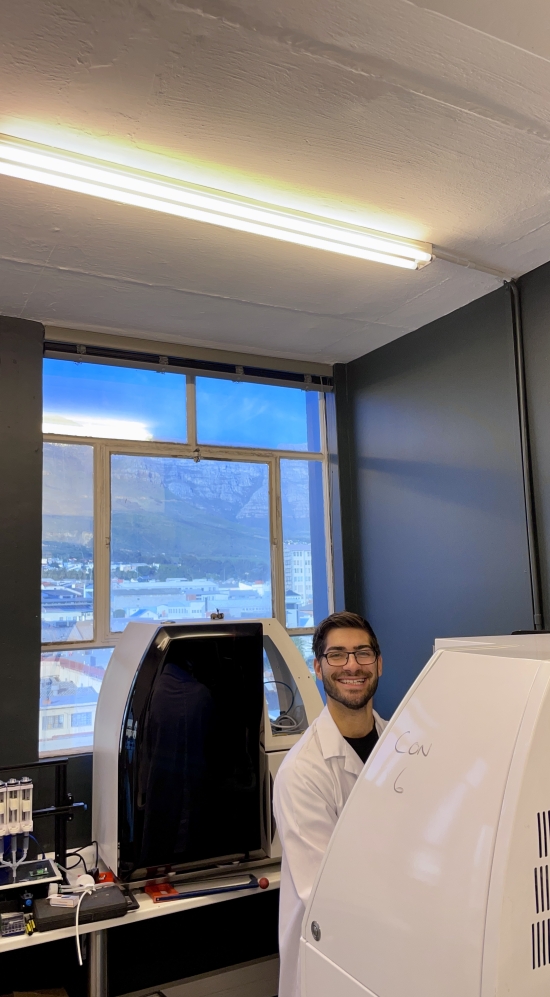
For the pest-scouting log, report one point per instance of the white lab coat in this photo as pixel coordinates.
(311, 790)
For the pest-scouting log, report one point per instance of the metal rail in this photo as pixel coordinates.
(526, 462)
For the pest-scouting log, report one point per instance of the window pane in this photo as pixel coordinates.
(242, 414)
(306, 596)
(67, 543)
(188, 539)
(69, 686)
(285, 707)
(124, 403)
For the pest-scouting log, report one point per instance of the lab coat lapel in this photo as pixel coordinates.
(333, 745)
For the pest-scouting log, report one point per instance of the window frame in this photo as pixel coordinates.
(104, 448)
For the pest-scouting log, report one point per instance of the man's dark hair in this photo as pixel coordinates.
(343, 620)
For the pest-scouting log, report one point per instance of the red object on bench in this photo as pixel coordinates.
(161, 891)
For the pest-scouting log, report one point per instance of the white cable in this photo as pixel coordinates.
(86, 892)
(292, 724)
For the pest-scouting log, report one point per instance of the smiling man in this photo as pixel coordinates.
(319, 773)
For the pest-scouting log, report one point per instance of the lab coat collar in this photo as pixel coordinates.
(334, 745)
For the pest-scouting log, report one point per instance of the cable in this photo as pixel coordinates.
(292, 723)
(86, 892)
(79, 859)
(76, 851)
(66, 869)
(287, 686)
(38, 845)
(284, 721)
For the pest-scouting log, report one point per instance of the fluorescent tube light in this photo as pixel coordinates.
(69, 171)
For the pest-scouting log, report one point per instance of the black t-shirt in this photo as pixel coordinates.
(364, 745)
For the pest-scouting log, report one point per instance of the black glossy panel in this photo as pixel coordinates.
(190, 787)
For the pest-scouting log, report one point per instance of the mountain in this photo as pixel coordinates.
(171, 510)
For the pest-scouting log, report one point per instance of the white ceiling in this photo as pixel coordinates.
(428, 120)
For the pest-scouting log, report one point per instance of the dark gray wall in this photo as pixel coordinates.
(433, 514)
(20, 536)
(535, 307)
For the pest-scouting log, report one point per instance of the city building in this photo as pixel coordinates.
(298, 573)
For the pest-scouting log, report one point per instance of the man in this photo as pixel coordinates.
(319, 773)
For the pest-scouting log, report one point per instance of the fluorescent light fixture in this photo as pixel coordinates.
(70, 171)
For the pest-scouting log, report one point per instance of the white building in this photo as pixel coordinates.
(298, 574)
(67, 715)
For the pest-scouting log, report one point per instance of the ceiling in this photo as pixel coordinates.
(428, 120)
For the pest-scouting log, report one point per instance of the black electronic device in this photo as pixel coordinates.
(192, 723)
(190, 783)
(101, 905)
(131, 902)
(12, 924)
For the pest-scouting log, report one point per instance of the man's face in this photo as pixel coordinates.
(351, 684)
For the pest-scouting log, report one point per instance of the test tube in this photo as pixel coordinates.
(14, 806)
(26, 804)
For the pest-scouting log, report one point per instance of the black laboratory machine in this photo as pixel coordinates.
(193, 721)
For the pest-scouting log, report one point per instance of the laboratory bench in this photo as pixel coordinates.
(116, 946)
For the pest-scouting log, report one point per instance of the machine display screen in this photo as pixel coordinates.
(190, 785)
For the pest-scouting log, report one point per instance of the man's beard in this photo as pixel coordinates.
(333, 690)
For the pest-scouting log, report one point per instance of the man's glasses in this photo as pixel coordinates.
(365, 656)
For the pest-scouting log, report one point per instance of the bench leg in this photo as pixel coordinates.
(97, 964)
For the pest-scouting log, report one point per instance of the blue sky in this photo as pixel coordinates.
(229, 413)
(240, 413)
(123, 393)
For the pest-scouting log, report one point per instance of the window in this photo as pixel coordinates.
(54, 722)
(122, 403)
(67, 543)
(70, 680)
(170, 497)
(304, 542)
(239, 413)
(188, 539)
(81, 719)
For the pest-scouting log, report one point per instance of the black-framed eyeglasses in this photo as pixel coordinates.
(364, 656)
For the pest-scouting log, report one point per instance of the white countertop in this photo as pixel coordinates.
(147, 909)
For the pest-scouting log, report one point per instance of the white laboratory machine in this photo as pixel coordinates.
(192, 723)
(436, 881)
(15, 820)
(16, 826)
